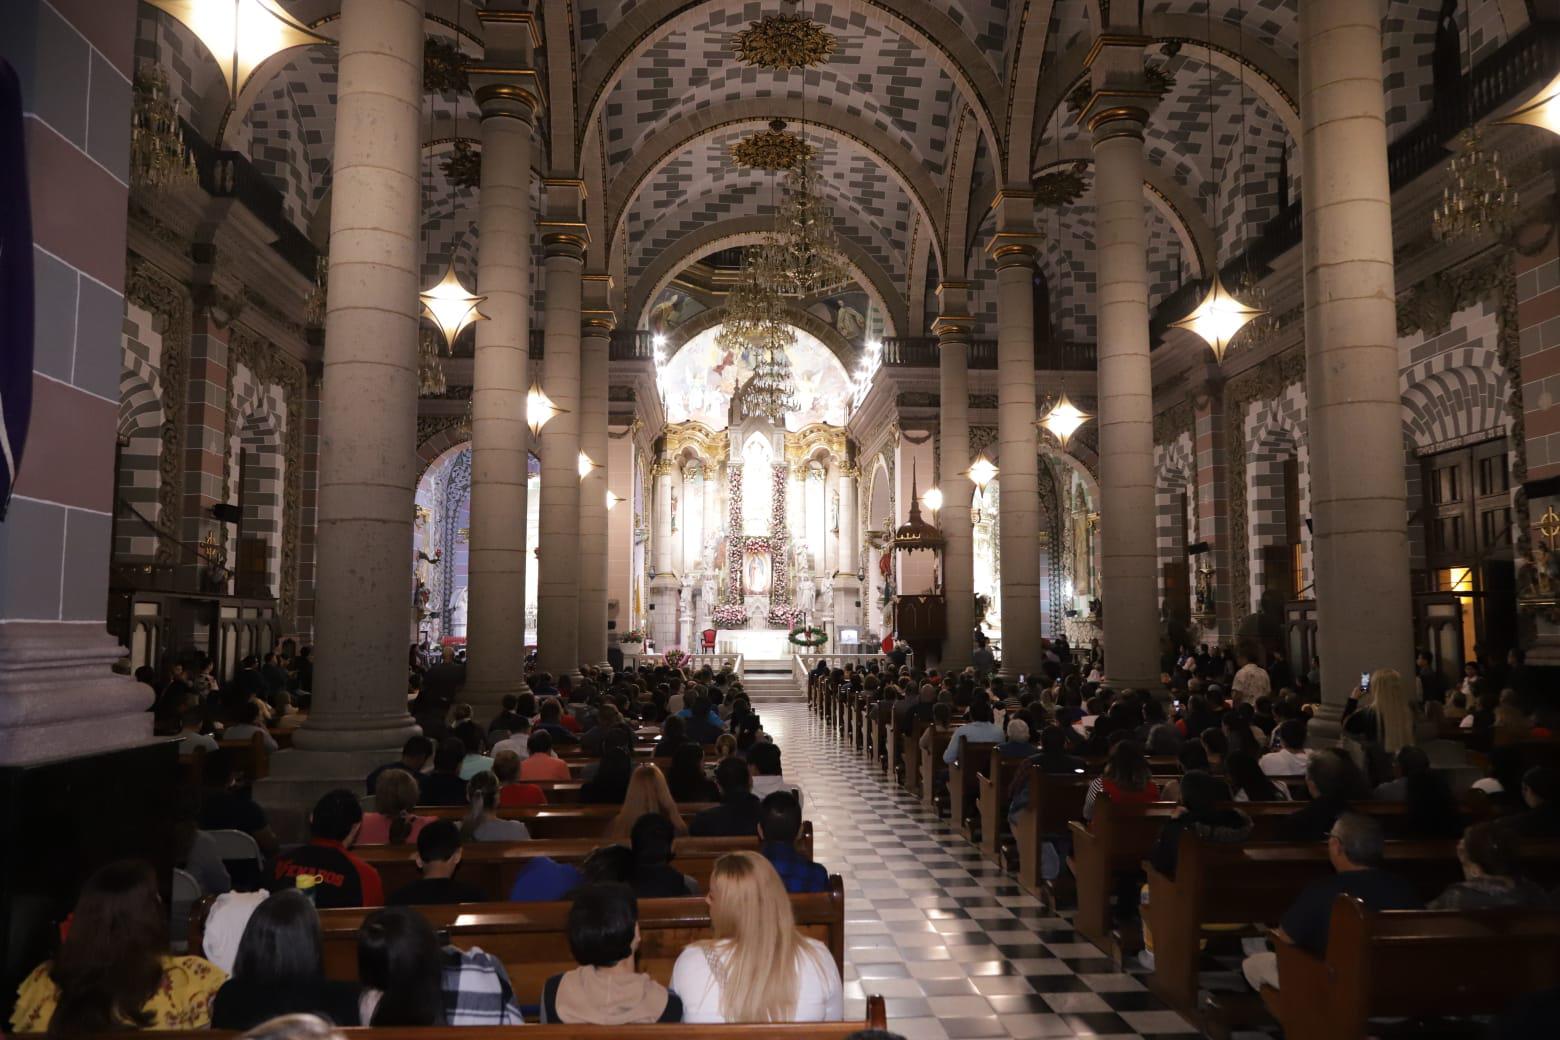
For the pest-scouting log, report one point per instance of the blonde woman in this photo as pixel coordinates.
(647, 793)
(1386, 712)
(393, 822)
(758, 968)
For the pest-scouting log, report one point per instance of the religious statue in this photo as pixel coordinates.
(826, 593)
(804, 588)
(834, 511)
(1204, 591)
(685, 598)
(707, 588)
(674, 511)
(755, 573)
(848, 321)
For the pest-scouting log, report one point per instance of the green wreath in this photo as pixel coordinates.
(812, 638)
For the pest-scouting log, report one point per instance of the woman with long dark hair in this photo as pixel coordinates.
(113, 970)
(280, 969)
(1248, 783)
(400, 967)
(610, 784)
(686, 778)
(1125, 780)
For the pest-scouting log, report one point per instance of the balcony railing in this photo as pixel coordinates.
(922, 352)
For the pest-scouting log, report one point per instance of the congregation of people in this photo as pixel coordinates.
(679, 756)
(1228, 729)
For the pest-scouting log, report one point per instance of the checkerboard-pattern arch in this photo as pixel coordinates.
(1275, 433)
(1175, 502)
(256, 468)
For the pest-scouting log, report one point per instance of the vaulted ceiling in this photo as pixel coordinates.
(924, 111)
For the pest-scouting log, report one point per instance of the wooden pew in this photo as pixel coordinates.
(928, 760)
(1254, 883)
(1054, 802)
(492, 866)
(876, 1018)
(532, 939)
(251, 758)
(992, 803)
(558, 821)
(1411, 963)
(973, 759)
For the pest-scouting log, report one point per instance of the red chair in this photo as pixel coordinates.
(707, 639)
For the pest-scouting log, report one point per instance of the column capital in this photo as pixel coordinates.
(508, 93)
(565, 239)
(1015, 248)
(849, 470)
(598, 322)
(1121, 97)
(958, 327)
(953, 297)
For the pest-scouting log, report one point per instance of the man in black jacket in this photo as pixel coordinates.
(737, 814)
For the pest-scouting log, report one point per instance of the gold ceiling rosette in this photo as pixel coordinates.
(784, 42)
(774, 149)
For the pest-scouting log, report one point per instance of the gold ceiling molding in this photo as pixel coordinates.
(783, 42)
(774, 149)
(705, 442)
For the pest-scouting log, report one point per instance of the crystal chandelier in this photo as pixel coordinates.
(1264, 326)
(158, 158)
(768, 393)
(430, 374)
(1477, 197)
(807, 256)
(754, 314)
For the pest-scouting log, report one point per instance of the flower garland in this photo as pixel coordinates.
(734, 545)
(786, 617)
(779, 563)
(675, 658)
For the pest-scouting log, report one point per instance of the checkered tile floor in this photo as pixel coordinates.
(952, 943)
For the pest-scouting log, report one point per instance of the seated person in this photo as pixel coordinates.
(1126, 778)
(340, 878)
(1488, 854)
(512, 790)
(517, 739)
(227, 806)
(647, 793)
(509, 718)
(1247, 781)
(779, 823)
(979, 730)
(541, 763)
(191, 721)
(674, 734)
(280, 970)
(1017, 744)
(1541, 795)
(767, 777)
(1199, 814)
(438, 857)
(545, 880)
(758, 967)
(1354, 846)
(482, 822)
(414, 759)
(686, 778)
(1409, 761)
(248, 723)
(737, 814)
(1291, 757)
(408, 980)
(605, 989)
(393, 821)
(1052, 759)
(651, 875)
(113, 969)
(444, 786)
(551, 721)
(474, 741)
(1332, 778)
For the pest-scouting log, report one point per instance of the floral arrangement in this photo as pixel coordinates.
(733, 531)
(633, 635)
(729, 615)
(786, 617)
(675, 658)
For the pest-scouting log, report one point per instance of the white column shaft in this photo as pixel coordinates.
(953, 479)
(557, 609)
(1019, 466)
(594, 347)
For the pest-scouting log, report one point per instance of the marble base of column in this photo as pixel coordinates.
(58, 696)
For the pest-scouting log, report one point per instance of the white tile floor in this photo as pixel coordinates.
(951, 942)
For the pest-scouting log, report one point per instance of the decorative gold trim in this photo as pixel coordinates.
(774, 149)
(706, 443)
(784, 41)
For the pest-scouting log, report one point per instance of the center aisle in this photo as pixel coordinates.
(953, 944)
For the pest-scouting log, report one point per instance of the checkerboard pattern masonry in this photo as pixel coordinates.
(950, 941)
(1274, 434)
(1175, 501)
(140, 436)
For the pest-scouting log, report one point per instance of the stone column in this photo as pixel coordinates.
(1213, 491)
(714, 520)
(59, 698)
(557, 607)
(1013, 249)
(850, 533)
(1360, 539)
(495, 620)
(595, 346)
(368, 450)
(953, 329)
(1128, 557)
(662, 471)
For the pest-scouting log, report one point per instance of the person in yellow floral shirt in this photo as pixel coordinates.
(113, 969)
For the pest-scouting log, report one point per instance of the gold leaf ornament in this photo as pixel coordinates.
(783, 42)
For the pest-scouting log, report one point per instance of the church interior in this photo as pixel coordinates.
(1089, 366)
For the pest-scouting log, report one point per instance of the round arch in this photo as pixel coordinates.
(916, 20)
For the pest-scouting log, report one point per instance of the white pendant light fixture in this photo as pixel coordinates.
(451, 306)
(982, 472)
(539, 409)
(1543, 111)
(1063, 419)
(586, 465)
(932, 501)
(240, 34)
(612, 500)
(1220, 316)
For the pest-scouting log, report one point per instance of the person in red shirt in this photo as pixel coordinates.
(340, 878)
(511, 791)
(542, 763)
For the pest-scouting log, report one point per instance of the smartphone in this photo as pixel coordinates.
(1364, 680)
